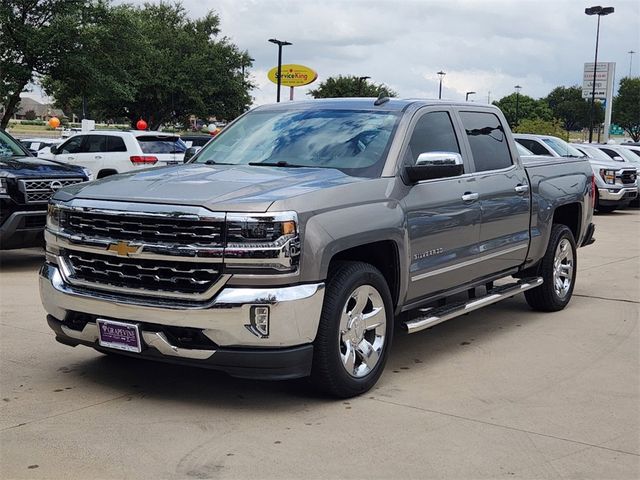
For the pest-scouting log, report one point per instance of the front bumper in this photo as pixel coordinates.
(23, 230)
(617, 195)
(224, 324)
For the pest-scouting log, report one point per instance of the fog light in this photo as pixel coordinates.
(260, 321)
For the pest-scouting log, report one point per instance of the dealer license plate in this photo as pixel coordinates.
(119, 335)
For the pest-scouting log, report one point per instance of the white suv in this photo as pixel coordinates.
(106, 153)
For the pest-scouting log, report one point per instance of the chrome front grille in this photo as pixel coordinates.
(143, 229)
(41, 190)
(140, 275)
(628, 176)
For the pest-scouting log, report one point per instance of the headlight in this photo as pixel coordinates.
(265, 243)
(88, 173)
(3, 187)
(609, 176)
(53, 217)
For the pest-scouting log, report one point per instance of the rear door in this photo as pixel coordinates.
(69, 150)
(443, 226)
(503, 188)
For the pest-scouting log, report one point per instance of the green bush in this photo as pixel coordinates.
(32, 122)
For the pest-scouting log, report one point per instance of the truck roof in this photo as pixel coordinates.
(393, 104)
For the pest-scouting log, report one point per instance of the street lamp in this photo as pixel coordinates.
(600, 12)
(441, 74)
(280, 43)
(630, 52)
(517, 87)
(466, 97)
(361, 81)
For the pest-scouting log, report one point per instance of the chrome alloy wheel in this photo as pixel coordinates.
(563, 268)
(363, 324)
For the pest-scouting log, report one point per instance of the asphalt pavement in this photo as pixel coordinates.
(503, 392)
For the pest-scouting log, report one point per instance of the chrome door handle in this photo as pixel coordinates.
(470, 197)
(521, 188)
(98, 157)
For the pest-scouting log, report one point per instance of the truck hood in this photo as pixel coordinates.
(612, 164)
(216, 187)
(26, 167)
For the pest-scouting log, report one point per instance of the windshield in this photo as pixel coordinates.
(593, 152)
(10, 147)
(626, 154)
(636, 153)
(562, 148)
(161, 144)
(353, 141)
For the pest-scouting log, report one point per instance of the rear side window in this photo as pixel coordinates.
(487, 140)
(116, 144)
(536, 147)
(613, 154)
(161, 144)
(433, 133)
(95, 144)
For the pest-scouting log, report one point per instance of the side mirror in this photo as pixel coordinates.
(432, 165)
(190, 152)
(54, 149)
(618, 158)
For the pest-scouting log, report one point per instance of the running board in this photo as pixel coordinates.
(434, 316)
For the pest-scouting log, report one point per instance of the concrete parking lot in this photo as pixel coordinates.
(501, 392)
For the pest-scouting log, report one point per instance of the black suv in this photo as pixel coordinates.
(26, 184)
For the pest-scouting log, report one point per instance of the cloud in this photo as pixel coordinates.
(488, 45)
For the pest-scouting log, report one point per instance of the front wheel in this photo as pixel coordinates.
(355, 332)
(558, 270)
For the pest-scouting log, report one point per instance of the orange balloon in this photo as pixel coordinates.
(54, 122)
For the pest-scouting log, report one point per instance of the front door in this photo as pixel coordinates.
(443, 217)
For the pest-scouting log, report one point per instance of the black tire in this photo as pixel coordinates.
(546, 297)
(328, 373)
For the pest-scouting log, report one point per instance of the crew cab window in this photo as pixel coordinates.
(116, 144)
(536, 147)
(487, 140)
(72, 145)
(94, 144)
(433, 133)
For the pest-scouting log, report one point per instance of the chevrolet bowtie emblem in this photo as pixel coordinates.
(123, 249)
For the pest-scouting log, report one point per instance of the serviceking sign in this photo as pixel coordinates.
(293, 76)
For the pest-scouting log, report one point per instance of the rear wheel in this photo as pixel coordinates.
(558, 270)
(355, 332)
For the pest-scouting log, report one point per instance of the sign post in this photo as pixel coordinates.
(604, 78)
(292, 76)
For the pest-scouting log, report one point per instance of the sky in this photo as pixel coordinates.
(485, 46)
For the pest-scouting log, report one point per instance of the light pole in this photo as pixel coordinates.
(600, 12)
(361, 80)
(517, 87)
(466, 97)
(280, 43)
(630, 52)
(441, 74)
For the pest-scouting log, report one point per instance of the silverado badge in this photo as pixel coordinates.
(123, 249)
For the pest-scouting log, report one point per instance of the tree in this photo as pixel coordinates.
(538, 126)
(527, 108)
(30, 115)
(153, 62)
(567, 104)
(350, 86)
(626, 107)
(35, 36)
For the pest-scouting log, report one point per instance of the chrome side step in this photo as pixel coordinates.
(434, 316)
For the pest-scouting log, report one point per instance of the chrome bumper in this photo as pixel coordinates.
(294, 313)
(605, 194)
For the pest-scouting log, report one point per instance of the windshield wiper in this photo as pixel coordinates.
(280, 163)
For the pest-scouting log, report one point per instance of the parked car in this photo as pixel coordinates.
(106, 152)
(624, 154)
(35, 145)
(613, 180)
(26, 184)
(295, 239)
(547, 145)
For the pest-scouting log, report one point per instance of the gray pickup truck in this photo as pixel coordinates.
(294, 242)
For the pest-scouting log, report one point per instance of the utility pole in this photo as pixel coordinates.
(441, 74)
(630, 52)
